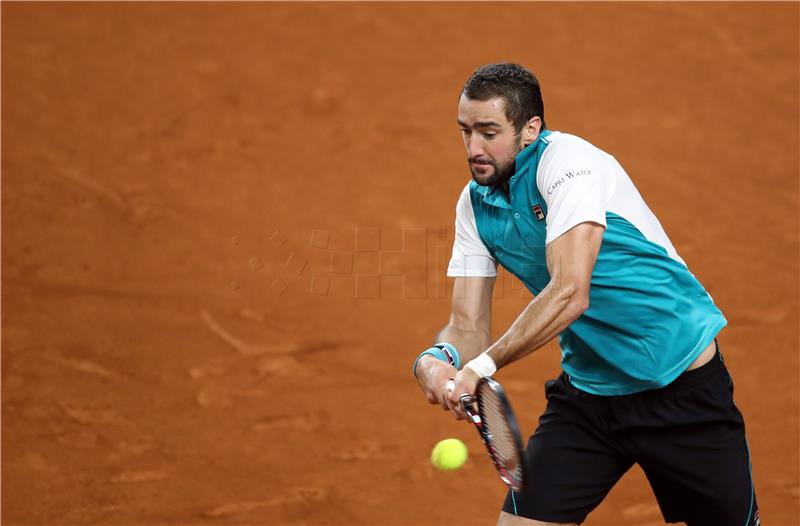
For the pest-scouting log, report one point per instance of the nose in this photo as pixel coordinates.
(475, 146)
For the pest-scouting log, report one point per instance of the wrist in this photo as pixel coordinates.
(444, 352)
(451, 355)
(422, 359)
(482, 365)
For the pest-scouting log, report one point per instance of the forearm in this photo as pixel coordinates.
(469, 327)
(546, 316)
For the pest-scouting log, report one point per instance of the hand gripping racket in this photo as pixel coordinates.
(498, 429)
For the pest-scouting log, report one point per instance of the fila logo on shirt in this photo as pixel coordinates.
(537, 211)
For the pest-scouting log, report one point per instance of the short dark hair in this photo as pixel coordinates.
(517, 86)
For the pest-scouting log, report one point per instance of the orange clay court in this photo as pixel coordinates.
(225, 229)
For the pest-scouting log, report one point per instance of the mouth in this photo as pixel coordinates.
(480, 164)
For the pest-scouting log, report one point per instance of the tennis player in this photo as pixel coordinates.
(642, 378)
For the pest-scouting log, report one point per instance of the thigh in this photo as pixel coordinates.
(701, 472)
(570, 465)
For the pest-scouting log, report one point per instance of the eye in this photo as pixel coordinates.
(465, 131)
(490, 135)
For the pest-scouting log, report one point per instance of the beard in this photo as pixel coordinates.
(499, 173)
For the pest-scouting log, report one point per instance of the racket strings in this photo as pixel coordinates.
(504, 444)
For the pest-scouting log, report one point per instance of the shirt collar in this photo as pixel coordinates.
(522, 160)
(494, 194)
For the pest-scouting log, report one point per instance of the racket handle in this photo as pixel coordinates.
(466, 402)
(466, 405)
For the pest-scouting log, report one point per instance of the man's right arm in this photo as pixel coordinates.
(470, 323)
(474, 269)
(469, 331)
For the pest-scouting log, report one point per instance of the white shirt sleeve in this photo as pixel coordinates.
(470, 256)
(575, 181)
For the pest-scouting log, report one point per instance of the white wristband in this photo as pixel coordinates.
(482, 365)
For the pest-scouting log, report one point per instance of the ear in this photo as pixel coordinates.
(530, 132)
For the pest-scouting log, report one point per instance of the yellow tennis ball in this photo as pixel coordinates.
(449, 454)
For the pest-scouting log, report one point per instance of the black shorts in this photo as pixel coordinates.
(688, 438)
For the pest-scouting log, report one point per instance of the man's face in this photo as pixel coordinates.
(489, 138)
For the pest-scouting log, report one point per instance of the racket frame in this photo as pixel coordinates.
(467, 401)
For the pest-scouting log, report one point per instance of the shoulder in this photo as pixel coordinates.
(567, 152)
(464, 196)
(561, 144)
(464, 203)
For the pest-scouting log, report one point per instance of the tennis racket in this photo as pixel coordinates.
(498, 428)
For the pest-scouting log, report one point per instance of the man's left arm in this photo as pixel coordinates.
(570, 261)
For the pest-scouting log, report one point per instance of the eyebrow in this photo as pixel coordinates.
(481, 124)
